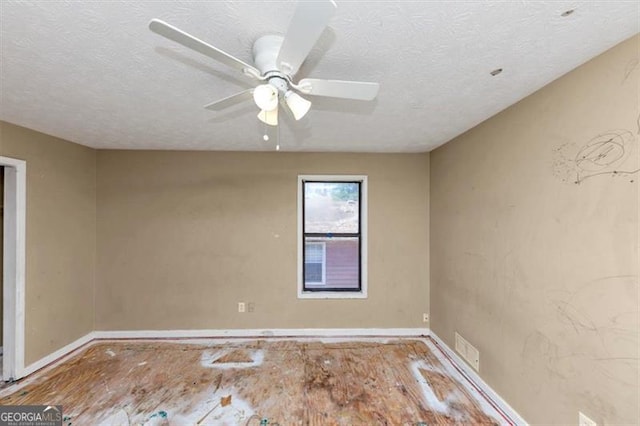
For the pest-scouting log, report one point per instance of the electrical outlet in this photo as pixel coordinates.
(584, 420)
(241, 307)
(425, 317)
(251, 307)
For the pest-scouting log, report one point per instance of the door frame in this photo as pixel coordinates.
(14, 257)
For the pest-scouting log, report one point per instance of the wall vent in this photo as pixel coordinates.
(468, 352)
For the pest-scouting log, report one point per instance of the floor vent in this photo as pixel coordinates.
(468, 352)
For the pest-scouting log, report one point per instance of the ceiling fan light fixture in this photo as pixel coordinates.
(298, 105)
(266, 97)
(269, 117)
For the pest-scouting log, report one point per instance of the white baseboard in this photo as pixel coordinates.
(474, 377)
(57, 355)
(278, 332)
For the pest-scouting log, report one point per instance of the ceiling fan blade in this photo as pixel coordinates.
(230, 100)
(187, 40)
(360, 90)
(307, 24)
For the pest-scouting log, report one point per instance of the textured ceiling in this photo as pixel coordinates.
(92, 72)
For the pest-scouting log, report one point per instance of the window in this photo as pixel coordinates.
(332, 237)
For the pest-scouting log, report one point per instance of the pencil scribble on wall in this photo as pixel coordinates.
(576, 326)
(632, 65)
(613, 153)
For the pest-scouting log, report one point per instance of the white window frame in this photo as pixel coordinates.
(324, 265)
(362, 294)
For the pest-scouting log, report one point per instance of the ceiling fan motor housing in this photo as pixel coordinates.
(265, 53)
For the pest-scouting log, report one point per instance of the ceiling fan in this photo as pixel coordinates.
(277, 59)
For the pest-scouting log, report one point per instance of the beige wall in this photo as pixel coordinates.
(539, 272)
(184, 236)
(61, 241)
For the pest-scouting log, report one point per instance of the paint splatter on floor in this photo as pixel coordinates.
(396, 382)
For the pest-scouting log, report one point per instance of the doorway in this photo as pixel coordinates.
(1, 253)
(13, 266)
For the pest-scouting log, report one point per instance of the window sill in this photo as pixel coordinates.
(331, 295)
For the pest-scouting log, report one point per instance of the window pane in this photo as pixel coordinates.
(313, 273)
(341, 264)
(331, 207)
(313, 253)
(314, 261)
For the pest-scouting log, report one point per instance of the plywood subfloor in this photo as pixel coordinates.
(286, 382)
